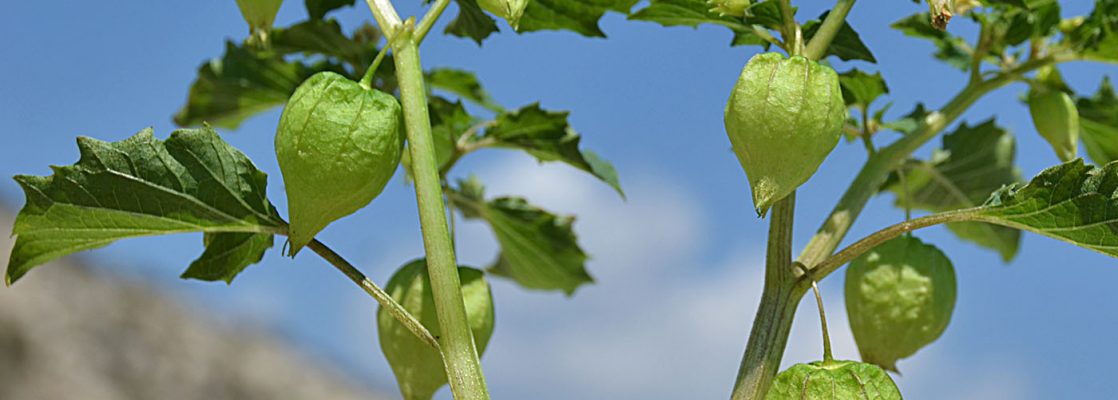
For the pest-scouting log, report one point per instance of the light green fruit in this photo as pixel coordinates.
(259, 13)
(1056, 118)
(784, 117)
(733, 8)
(510, 10)
(899, 298)
(833, 380)
(419, 368)
(337, 144)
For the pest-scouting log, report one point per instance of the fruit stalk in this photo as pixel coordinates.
(459, 353)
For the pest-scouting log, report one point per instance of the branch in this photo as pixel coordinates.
(817, 47)
(429, 19)
(869, 242)
(395, 309)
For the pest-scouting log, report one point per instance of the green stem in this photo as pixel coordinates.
(459, 352)
(386, 17)
(773, 321)
(817, 47)
(370, 73)
(395, 309)
(792, 40)
(827, 356)
(429, 19)
(867, 243)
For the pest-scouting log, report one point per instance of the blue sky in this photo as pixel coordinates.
(678, 265)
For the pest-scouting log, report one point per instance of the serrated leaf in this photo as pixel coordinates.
(1098, 121)
(580, 16)
(861, 89)
(464, 84)
(142, 186)
(317, 9)
(1072, 202)
(833, 380)
(547, 136)
(471, 22)
(767, 14)
(418, 367)
(847, 45)
(318, 37)
(950, 49)
(973, 162)
(240, 84)
(538, 249)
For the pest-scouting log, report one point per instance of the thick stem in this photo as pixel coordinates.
(817, 47)
(386, 17)
(395, 309)
(773, 321)
(459, 352)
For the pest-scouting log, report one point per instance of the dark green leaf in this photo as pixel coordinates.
(974, 161)
(847, 45)
(547, 136)
(951, 49)
(317, 9)
(685, 13)
(448, 122)
(861, 89)
(142, 186)
(579, 16)
(767, 14)
(464, 84)
(419, 368)
(1072, 202)
(227, 254)
(244, 82)
(471, 22)
(1097, 37)
(1098, 121)
(325, 38)
(538, 249)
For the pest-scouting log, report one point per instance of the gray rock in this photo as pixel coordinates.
(69, 333)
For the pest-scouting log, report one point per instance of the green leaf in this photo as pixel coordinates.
(833, 380)
(1097, 37)
(861, 89)
(973, 162)
(1098, 121)
(580, 16)
(910, 122)
(538, 249)
(464, 84)
(242, 83)
(951, 49)
(317, 9)
(227, 254)
(418, 367)
(471, 22)
(767, 14)
(547, 136)
(847, 45)
(1072, 202)
(142, 186)
(318, 37)
(685, 13)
